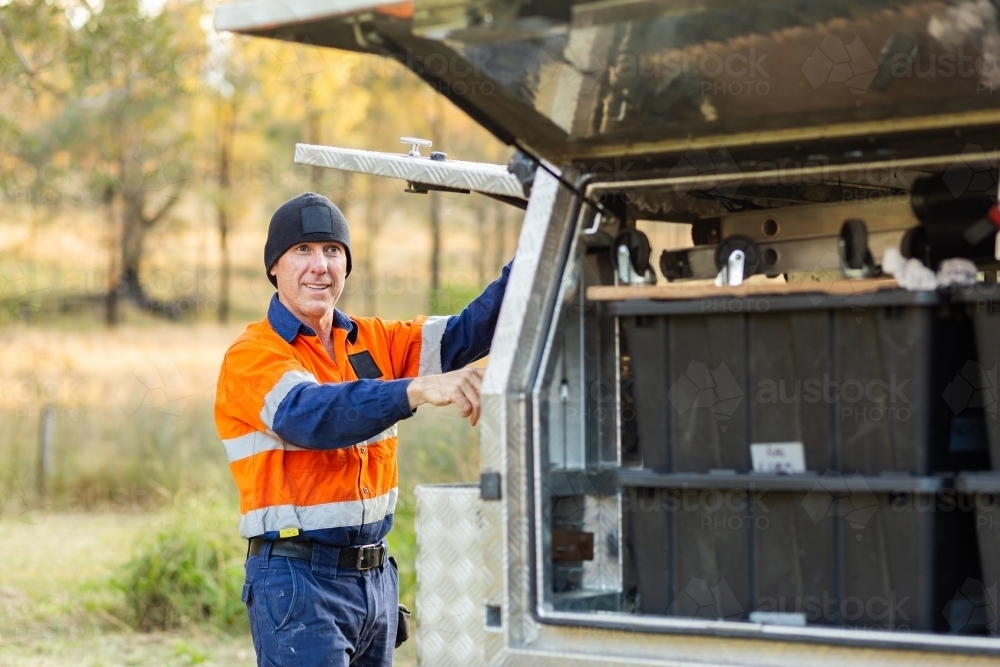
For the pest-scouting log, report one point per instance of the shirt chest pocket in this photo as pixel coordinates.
(316, 459)
(384, 450)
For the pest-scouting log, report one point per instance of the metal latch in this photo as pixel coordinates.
(415, 145)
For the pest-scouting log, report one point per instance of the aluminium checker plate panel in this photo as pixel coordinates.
(450, 582)
(476, 176)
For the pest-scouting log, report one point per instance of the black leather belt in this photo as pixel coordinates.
(362, 558)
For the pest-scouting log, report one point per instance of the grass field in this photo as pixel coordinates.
(135, 455)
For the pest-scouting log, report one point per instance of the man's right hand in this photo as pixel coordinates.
(460, 388)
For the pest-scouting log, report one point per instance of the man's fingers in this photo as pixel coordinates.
(472, 388)
(460, 388)
(462, 403)
(476, 412)
(472, 396)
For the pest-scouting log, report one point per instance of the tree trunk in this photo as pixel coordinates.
(314, 121)
(225, 137)
(342, 198)
(135, 225)
(372, 226)
(435, 214)
(134, 232)
(111, 315)
(499, 235)
(224, 266)
(482, 207)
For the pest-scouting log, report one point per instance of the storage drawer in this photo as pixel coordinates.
(977, 606)
(976, 384)
(877, 552)
(859, 383)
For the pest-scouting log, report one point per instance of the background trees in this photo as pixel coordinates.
(162, 147)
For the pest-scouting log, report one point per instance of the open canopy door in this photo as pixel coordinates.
(588, 81)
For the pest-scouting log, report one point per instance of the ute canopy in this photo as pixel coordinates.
(587, 81)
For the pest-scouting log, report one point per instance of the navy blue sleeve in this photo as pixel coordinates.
(341, 414)
(467, 336)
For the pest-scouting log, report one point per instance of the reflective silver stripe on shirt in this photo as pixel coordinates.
(380, 507)
(384, 435)
(279, 391)
(256, 442)
(317, 517)
(253, 443)
(430, 346)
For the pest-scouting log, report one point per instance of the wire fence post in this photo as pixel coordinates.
(46, 427)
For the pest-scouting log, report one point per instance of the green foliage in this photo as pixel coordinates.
(189, 572)
(452, 298)
(403, 547)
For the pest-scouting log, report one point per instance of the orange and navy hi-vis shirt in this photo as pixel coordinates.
(311, 440)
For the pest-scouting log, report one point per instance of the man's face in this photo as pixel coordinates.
(311, 277)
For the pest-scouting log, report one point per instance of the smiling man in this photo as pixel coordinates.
(306, 406)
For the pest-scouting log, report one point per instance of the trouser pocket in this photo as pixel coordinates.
(247, 586)
(281, 592)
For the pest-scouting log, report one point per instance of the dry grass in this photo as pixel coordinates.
(133, 419)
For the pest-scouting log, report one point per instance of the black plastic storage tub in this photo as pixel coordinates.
(977, 384)
(876, 552)
(858, 380)
(978, 605)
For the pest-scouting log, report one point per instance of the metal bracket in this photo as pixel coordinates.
(627, 275)
(489, 486)
(732, 273)
(594, 227)
(414, 188)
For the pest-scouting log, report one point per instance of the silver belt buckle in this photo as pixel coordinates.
(368, 555)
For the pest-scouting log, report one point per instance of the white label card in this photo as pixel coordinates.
(778, 457)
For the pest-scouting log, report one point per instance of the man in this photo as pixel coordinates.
(307, 405)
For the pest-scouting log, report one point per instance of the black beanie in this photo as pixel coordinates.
(308, 217)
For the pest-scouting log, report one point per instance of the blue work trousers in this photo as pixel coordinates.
(311, 613)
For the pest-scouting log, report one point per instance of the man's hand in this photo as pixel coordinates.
(458, 387)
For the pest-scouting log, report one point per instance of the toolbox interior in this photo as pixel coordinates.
(645, 410)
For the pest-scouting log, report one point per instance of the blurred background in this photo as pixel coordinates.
(141, 156)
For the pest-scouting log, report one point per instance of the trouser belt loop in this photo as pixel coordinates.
(265, 554)
(324, 560)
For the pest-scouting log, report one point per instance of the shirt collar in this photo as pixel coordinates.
(288, 326)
